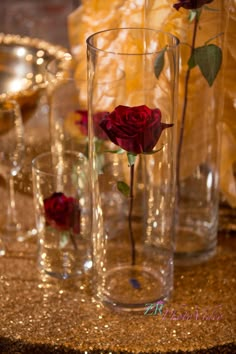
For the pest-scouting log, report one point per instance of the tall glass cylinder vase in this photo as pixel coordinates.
(132, 78)
(199, 26)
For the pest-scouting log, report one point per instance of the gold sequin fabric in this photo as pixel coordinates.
(40, 315)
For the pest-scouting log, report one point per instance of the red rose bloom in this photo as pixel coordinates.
(191, 4)
(62, 213)
(134, 129)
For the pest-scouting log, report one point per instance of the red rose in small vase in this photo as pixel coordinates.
(134, 129)
(62, 212)
(191, 4)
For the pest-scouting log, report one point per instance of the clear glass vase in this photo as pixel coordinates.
(200, 107)
(62, 214)
(67, 95)
(132, 78)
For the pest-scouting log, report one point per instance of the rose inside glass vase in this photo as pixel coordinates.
(136, 131)
(133, 170)
(63, 214)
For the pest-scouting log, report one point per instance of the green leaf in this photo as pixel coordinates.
(192, 15)
(63, 239)
(209, 60)
(131, 158)
(192, 62)
(123, 188)
(159, 63)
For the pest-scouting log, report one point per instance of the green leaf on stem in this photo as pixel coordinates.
(63, 239)
(131, 158)
(192, 15)
(123, 188)
(192, 62)
(209, 60)
(159, 63)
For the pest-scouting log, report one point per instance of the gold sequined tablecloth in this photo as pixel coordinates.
(48, 316)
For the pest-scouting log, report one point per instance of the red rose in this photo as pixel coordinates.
(62, 212)
(134, 129)
(191, 4)
(83, 123)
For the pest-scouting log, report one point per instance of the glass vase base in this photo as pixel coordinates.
(60, 275)
(192, 248)
(17, 233)
(133, 288)
(64, 264)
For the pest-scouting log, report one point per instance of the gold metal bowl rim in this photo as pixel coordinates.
(57, 51)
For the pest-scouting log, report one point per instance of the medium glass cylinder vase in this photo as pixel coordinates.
(67, 95)
(199, 25)
(132, 79)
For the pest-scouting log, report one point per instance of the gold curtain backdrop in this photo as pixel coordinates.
(96, 15)
(228, 158)
(93, 16)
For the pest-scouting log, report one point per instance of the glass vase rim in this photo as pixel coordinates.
(170, 35)
(77, 154)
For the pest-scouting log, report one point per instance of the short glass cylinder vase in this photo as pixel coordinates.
(132, 79)
(63, 214)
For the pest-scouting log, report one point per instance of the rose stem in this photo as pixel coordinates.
(131, 196)
(73, 241)
(182, 124)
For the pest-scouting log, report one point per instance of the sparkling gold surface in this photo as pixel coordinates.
(50, 316)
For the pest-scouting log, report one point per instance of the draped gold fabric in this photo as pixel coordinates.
(97, 15)
(93, 16)
(228, 156)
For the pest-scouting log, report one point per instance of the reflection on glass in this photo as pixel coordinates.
(11, 156)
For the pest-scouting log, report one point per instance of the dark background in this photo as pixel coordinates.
(46, 19)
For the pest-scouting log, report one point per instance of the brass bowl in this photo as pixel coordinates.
(22, 67)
